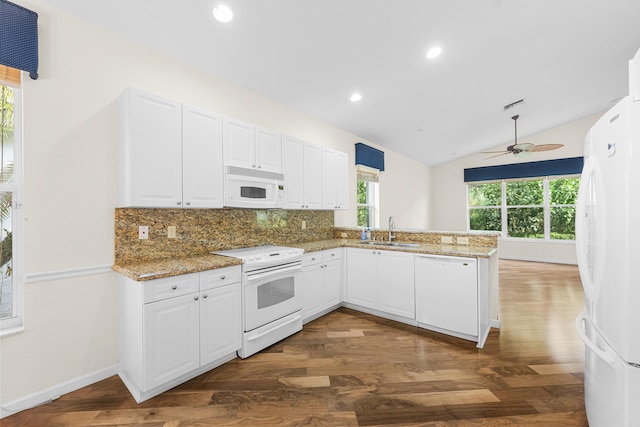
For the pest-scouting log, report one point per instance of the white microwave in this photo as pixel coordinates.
(249, 188)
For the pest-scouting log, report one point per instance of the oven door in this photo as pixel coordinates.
(270, 294)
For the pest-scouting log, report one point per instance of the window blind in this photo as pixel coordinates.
(9, 76)
(568, 166)
(366, 173)
(19, 38)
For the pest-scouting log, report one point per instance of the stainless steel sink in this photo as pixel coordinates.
(395, 244)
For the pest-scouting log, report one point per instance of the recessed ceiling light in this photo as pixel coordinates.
(355, 97)
(222, 13)
(434, 52)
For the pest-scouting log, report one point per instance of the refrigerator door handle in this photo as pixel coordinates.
(602, 354)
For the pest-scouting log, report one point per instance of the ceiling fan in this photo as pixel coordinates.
(522, 150)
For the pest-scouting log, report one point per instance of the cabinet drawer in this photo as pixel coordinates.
(331, 254)
(160, 289)
(311, 258)
(220, 277)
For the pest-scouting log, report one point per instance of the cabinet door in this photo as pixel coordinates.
(332, 283)
(201, 158)
(328, 178)
(150, 151)
(395, 284)
(311, 278)
(312, 181)
(268, 150)
(220, 322)
(447, 293)
(362, 277)
(293, 170)
(239, 143)
(342, 181)
(171, 339)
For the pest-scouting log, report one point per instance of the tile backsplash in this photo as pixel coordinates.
(199, 231)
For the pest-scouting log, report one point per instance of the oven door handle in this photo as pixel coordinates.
(268, 331)
(274, 273)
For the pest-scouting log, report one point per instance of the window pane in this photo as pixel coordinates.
(485, 219)
(525, 222)
(361, 193)
(564, 191)
(6, 256)
(363, 216)
(485, 194)
(563, 223)
(523, 193)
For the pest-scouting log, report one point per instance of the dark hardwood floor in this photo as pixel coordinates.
(353, 369)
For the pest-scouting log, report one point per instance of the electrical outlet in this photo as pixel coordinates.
(446, 240)
(304, 225)
(344, 235)
(171, 231)
(143, 232)
(462, 240)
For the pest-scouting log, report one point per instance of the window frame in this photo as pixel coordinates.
(15, 323)
(547, 206)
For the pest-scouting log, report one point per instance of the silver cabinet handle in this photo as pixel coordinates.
(204, 296)
(178, 203)
(188, 203)
(195, 298)
(222, 277)
(174, 287)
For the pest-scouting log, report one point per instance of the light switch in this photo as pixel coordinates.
(171, 231)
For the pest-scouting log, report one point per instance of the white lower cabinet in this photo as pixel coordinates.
(381, 280)
(173, 329)
(321, 281)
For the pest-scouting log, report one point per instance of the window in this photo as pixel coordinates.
(367, 197)
(541, 208)
(10, 216)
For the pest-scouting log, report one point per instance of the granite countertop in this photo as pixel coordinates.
(167, 267)
(421, 248)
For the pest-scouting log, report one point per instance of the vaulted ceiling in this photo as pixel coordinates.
(567, 59)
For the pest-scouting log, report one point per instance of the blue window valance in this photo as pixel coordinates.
(369, 156)
(568, 166)
(19, 38)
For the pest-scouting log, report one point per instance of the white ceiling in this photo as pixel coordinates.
(567, 59)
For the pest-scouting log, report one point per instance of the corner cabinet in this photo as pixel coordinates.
(169, 154)
(381, 280)
(173, 329)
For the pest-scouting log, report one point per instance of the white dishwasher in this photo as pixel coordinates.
(447, 294)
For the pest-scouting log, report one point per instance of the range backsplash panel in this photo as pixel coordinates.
(200, 231)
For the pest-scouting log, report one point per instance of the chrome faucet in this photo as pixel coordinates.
(392, 226)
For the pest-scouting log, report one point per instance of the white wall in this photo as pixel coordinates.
(448, 189)
(70, 139)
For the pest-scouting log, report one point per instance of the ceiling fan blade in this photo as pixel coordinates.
(492, 152)
(526, 146)
(498, 155)
(546, 147)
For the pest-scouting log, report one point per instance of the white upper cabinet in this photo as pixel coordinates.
(334, 179)
(201, 158)
(302, 170)
(268, 150)
(161, 142)
(293, 171)
(251, 147)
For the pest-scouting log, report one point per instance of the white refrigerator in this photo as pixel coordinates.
(608, 252)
